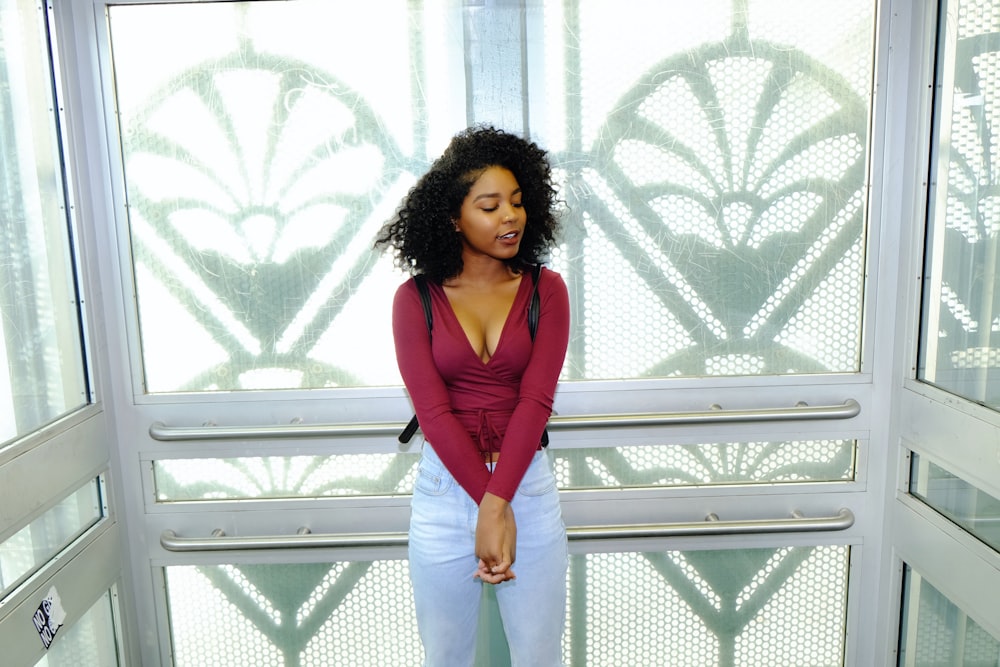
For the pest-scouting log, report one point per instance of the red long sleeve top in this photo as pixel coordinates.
(467, 407)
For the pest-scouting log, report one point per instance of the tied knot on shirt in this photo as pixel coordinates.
(487, 428)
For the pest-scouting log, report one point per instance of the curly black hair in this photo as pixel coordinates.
(422, 232)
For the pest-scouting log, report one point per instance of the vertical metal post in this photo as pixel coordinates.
(495, 64)
(577, 190)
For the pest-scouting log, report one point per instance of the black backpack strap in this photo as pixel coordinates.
(425, 299)
(409, 430)
(535, 306)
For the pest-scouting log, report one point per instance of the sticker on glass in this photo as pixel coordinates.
(49, 617)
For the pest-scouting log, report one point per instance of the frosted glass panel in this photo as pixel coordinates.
(937, 633)
(744, 608)
(605, 468)
(41, 354)
(714, 172)
(284, 477)
(740, 608)
(89, 642)
(972, 508)
(358, 613)
(742, 463)
(32, 546)
(960, 346)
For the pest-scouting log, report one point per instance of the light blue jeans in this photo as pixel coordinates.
(442, 562)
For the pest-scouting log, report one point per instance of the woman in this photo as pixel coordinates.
(485, 503)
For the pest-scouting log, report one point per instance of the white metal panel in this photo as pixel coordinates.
(961, 435)
(52, 468)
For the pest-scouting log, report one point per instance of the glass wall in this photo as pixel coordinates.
(951, 511)
(624, 467)
(90, 641)
(961, 305)
(765, 606)
(973, 509)
(31, 547)
(716, 173)
(40, 341)
(960, 350)
(714, 176)
(934, 631)
(59, 544)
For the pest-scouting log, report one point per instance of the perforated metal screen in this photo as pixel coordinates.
(714, 179)
(777, 607)
(621, 467)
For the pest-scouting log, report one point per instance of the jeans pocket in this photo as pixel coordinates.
(431, 482)
(538, 480)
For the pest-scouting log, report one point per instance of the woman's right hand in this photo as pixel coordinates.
(496, 540)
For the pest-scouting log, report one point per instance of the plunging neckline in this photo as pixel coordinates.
(503, 329)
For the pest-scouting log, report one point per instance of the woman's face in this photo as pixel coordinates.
(492, 217)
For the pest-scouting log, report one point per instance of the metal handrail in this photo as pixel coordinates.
(304, 538)
(714, 415)
(160, 431)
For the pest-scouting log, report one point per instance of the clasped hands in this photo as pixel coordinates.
(496, 540)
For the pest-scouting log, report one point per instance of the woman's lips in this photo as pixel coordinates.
(510, 238)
